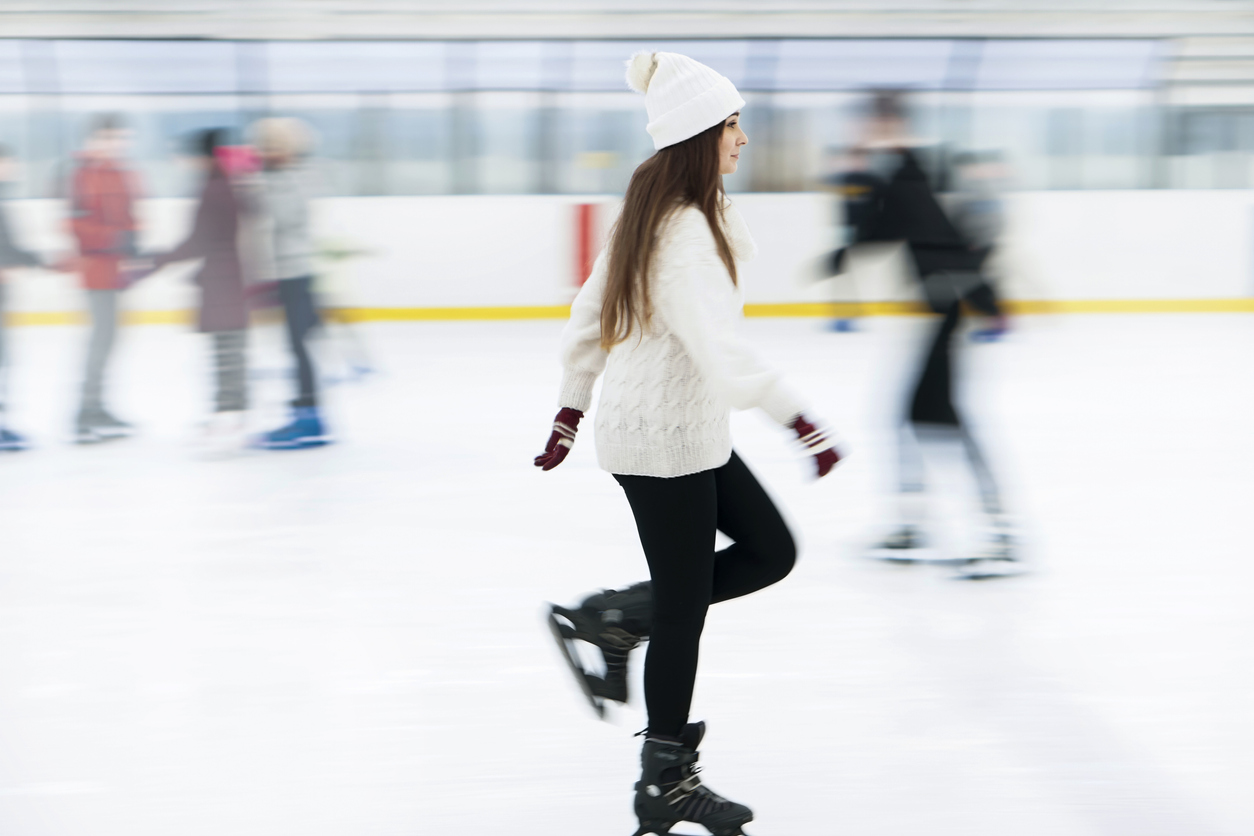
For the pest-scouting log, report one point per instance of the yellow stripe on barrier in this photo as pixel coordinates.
(428, 314)
(45, 317)
(840, 309)
(184, 317)
(1047, 306)
(787, 309)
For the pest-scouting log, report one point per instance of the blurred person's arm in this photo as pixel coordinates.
(199, 239)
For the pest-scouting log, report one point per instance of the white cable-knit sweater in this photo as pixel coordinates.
(668, 392)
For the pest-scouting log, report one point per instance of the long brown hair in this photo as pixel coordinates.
(686, 173)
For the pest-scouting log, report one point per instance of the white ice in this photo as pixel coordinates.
(348, 641)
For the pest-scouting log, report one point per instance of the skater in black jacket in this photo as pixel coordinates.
(949, 266)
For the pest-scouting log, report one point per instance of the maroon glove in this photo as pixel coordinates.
(564, 427)
(817, 444)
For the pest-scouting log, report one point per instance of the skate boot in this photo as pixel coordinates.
(11, 441)
(613, 621)
(670, 791)
(97, 424)
(306, 430)
(997, 558)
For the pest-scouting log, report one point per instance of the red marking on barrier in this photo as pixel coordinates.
(585, 243)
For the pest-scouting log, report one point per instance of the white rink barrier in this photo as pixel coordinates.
(516, 256)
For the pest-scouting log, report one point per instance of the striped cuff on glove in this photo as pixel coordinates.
(565, 432)
(812, 438)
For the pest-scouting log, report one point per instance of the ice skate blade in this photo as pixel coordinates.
(661, 830)
(989, 569)
(906, 557)
(564, 641)
(85, 440)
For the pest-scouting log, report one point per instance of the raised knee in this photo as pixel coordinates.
(785, 554)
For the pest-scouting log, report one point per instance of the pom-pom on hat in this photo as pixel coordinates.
(683, 97)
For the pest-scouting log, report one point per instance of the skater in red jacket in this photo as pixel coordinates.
(102, 221)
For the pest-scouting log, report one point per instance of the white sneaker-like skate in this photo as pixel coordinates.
(223, 435)
(998, 557)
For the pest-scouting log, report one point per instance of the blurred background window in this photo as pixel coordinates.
(554, 116)
(1068, 65)
(853, 65)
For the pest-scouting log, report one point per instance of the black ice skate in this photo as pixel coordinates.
(670, 791)
(613, 621)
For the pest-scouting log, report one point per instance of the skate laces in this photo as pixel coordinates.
(685, 788)
(691, 790)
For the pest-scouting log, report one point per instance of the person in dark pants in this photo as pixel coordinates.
(286, 189)
(102, 220)
(659, 318)
(223, 314)
(949, 266)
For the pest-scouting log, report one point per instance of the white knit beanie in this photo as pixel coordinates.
(683, 97)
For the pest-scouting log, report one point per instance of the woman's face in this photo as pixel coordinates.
(729, 146)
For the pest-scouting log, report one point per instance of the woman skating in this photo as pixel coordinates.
(659, 317)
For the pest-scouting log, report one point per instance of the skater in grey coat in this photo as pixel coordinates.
(285, 192)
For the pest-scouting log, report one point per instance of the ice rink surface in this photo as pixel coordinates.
(348, 641)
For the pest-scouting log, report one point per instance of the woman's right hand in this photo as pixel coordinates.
(565, 425)
(817, 444)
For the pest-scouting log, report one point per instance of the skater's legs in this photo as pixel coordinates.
(763, 551)
(676, 519)
(911, 477)
(932, 401)
(302, 316)
(230, 370)
(103, 305)
(990, 494)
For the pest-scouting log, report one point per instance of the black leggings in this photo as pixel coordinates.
(677, 519)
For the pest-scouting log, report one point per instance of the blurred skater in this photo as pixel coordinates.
(659, 316)
(949, 266)
(102, 197)
(11, 255)
(285, 192)
(223, 314)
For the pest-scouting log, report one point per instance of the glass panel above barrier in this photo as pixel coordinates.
(11, 76)
(1069, 65)
(854, 65)
(139, 67)
(356, 66)
(509, 65)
